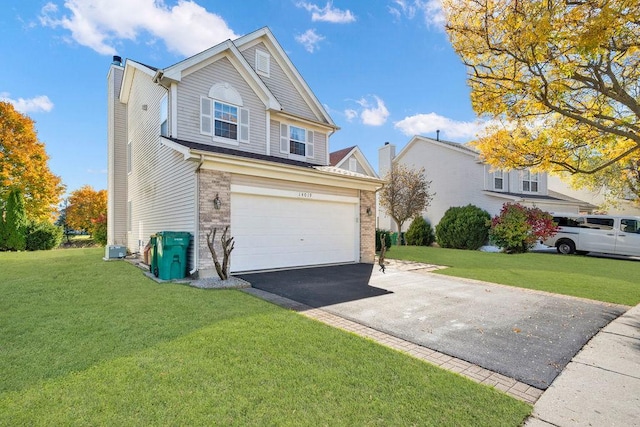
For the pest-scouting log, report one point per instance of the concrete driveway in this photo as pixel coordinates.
(526, 335)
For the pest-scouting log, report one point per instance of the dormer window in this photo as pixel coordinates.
(529, 181)
(222, 115)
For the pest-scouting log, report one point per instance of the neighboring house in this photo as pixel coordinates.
(232, 136)
(598, 198)
(352, 159)
(458, 178)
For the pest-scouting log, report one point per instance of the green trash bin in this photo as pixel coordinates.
(172, 254)
(153, 255)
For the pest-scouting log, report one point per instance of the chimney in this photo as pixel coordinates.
(438, 135)
(117, 60)
(386, 154)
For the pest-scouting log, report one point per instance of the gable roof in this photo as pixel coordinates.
(338, 156)
(337, 159)
(417, 139)
(232, 50)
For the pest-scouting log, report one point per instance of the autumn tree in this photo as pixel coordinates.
(405, 194)
(86, 207)
(558, 78)
(23, 165)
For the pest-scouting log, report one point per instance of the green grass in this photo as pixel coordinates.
(88, 342)
(602, 279)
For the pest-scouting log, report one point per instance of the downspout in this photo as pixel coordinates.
(196, 249)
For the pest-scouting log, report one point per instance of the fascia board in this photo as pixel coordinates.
(130, 68)
(289, 69)
(253, 167)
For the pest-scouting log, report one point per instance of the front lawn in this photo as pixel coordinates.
(610, 280)
(88, 342)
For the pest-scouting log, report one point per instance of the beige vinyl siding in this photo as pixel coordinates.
(269, 183)
(117, 160)
(319, 142)
(162, 185)
(197, 84)
(281, 86)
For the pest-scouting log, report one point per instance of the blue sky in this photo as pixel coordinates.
(384, 70)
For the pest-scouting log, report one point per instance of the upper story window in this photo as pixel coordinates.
(262, 62)
(296, 141)
(164, 116)
(498, 180)
(222, 115)
(529, 181)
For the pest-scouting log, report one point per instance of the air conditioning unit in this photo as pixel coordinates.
(115, 251)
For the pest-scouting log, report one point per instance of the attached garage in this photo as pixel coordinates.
(278, 228)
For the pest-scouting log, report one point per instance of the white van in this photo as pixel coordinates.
(581, 234)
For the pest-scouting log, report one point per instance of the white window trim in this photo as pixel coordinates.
(353, 165)
(164, 118)
(530, 180)
(499, 174)
(309, 149)
(129, 157)
(243, 125)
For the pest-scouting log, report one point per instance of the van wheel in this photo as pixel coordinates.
(566, 247)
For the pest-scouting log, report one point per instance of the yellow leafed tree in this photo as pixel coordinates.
(23, 165)
(560, 82)
(86, 207)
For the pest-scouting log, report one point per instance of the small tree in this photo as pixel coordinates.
(518, 228)
(227, 244)
(405, 194)
(15, 222)
(420, 232)
(3, 227)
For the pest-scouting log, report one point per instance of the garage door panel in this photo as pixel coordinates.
(277, 232)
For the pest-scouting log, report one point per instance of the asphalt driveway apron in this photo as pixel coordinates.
(526, 335)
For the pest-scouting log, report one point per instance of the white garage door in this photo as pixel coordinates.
(276, 232)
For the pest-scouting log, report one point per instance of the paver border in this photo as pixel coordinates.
(510, 386)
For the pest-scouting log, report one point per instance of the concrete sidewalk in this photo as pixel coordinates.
(601, 384)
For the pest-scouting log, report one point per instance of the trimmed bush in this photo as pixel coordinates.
(43, 236)
(420, 232)
(387, 239)
(463, 227)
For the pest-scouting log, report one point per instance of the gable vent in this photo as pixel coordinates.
(262, 62)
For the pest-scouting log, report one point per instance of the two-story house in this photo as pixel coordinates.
(232, 136)
(458, 178)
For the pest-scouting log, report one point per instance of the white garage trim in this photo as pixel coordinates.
(276, 228)
(275, 192)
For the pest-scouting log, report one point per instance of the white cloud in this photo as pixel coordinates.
(328, 13)
(38, 104)
(309, 40)
(186, 28)
(430, 9)
(422, 124)
(350, 114)
(373, 113)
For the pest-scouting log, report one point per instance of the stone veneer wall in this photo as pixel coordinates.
(367, 226)
(211, 183)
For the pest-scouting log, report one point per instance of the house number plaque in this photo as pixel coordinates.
(305, 195)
